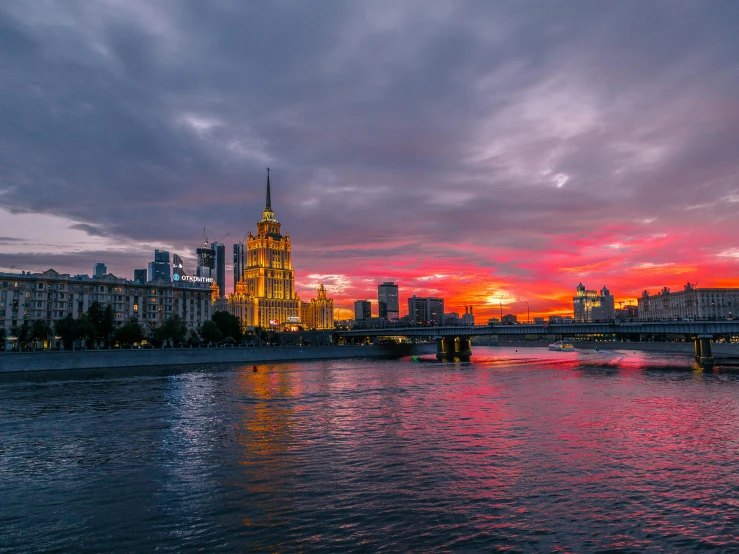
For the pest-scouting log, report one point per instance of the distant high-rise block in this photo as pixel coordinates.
(426, 310)
(219, 264)
(206, 261)
(159, 269)
(178, 267)
(99, 270)
(387, 301)
(139, 275)
(239, 262)
(362, 310)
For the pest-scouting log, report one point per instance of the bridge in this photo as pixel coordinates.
(456, 342)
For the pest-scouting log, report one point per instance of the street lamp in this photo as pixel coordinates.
(528, 312)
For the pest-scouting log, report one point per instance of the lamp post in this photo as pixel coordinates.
(528, 312)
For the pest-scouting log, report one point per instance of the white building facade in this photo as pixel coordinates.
(52, 296)
(689, 303)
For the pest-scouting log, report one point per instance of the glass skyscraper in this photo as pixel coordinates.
(387, 301)
(239, 262)
(219, 265)
(159, 268)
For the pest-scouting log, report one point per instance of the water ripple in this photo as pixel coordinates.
(521, 451)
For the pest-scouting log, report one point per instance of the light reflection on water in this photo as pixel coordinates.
(527, 450)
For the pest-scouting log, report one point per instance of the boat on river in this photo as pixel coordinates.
(561, 346)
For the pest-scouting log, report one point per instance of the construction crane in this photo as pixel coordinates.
(205, 237)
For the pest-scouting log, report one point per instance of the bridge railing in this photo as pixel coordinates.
(714, 327)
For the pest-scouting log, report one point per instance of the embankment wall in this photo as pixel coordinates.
(99, 359)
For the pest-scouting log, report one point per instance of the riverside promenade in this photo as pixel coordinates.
(108, 359)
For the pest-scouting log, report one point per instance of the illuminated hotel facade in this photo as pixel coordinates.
(319, 312)
(265, 294)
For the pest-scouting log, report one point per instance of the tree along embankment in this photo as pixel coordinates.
(103, 359)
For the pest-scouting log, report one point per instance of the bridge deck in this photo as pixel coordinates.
(688, 328)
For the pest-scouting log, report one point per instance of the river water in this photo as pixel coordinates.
(523, 450)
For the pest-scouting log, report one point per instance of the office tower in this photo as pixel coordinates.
(362, 310)
(387, 301)
(426, 310)
(178, 268)
(99, 270)
(206, 261)
(159, 268)
(219, 264)
(239, 262)
(139, 275)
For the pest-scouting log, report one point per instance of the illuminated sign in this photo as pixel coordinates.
(293, 319)
(192, 278)
(274, 321)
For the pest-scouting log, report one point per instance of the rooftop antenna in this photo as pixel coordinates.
(205, 238)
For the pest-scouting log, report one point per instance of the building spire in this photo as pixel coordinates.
(269, 196)
(268, 214)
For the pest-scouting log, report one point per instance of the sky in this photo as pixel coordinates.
(491, 153)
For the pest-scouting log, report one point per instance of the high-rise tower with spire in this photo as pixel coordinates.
(266, 291)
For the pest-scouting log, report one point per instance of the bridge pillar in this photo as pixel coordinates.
(442, 349)
(706, 358)
(697, 343)
(463, 348)
(454, 348)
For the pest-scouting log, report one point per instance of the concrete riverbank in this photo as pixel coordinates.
(104, 359)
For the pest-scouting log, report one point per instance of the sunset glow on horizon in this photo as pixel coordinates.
(492, 155)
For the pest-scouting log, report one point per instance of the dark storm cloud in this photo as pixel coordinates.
(435, 122)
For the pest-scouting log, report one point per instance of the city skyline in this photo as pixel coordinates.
(460, 161)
